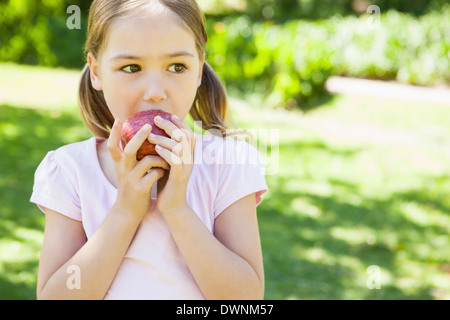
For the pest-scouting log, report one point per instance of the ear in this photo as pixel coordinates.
(200, 73)
(95, 75)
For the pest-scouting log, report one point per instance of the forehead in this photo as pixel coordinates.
(149, 30)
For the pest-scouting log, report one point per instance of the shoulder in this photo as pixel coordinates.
(68, 160)
(232, 166)
(75, 152)
(57, 178)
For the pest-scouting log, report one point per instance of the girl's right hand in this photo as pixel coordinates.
(134, 180)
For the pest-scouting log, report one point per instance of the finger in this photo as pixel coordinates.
(183, 126)
(180, 123)
(182, 134)
(136, 142)
(172, 159)
(170, 128)
(150, 162)
(187, 131)
(178, 150)
(153, 175)
(167, 143)
(114, 139)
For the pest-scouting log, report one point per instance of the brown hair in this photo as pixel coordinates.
(210, 104)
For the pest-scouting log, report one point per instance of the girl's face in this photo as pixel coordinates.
(149, 61)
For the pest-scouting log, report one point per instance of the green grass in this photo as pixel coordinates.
(359, 182)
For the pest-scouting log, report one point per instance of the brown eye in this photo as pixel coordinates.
(132, 68)
(177, 68)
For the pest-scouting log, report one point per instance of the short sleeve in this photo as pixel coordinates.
(241, 174)
(54, 188)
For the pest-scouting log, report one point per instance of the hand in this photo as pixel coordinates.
(134, 178)
(178, 152)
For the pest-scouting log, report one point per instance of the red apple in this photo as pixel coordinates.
(136, 122)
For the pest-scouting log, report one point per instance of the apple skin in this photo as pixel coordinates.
(136, 122)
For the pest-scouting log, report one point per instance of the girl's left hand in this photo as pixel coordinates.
(178, 151)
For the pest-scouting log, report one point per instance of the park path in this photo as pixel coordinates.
(388, 90)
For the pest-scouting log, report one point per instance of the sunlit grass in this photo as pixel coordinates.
(358, 182)
(38, 87)
(361, 182)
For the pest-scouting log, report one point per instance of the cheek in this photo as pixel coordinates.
(186, 93)
(183, 101)
(121, 99)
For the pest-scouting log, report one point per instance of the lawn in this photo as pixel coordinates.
(354, 183)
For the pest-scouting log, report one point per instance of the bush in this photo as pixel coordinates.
(286, 10)
(291, 62)
(260, 57)
(35, 32)
(417, 52)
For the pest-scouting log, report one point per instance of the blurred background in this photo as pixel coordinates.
(358, 93)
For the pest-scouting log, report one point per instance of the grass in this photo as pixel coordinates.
(361, 182)
(358, 182)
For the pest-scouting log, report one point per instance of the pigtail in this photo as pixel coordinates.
(93, 107)
(211, 104)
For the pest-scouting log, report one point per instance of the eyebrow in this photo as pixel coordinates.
(169, 55)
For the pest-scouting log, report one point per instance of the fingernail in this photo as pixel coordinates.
(147, 126)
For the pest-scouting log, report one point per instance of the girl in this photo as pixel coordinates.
(107, 234)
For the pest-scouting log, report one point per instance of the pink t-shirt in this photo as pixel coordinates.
(70, 181)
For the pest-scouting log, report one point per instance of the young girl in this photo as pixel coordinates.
(110, 234)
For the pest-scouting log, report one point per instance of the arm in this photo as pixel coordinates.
(98, 259)
(228, 265)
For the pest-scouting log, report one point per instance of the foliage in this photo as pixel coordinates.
(240, 51)
(285, 10)
(418, 52)
(292, 61)
(35, 32)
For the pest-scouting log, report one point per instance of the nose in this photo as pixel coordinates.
(155, 91)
